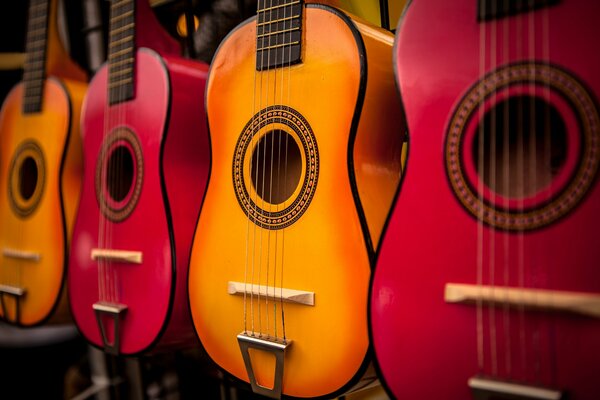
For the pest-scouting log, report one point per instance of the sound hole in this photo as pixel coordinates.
(524, 146)
(276, 166)
(119, 174)
(28, 178)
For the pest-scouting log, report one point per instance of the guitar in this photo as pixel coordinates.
(146, 159)
(306, 138)
(487, 282)
(40, 174)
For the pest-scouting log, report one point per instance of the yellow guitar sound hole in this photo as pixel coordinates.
(276, 166)
(119, 174)
(28, 178)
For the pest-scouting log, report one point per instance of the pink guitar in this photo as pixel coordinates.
(488, 282)
(146, 167)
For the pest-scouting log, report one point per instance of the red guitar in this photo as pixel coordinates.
(487, 282)
(146, 165)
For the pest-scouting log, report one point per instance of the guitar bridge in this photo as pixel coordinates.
(271, 345)
(490, 389)
(115, 311)
(17, 293)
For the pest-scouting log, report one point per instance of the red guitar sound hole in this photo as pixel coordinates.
(120, 173)
(523, 146)
(276, 166)
(520, 147)
(28, 178)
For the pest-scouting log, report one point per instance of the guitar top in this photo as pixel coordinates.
(486, 280)
(301, 182)
(146, 166)
(40, 175)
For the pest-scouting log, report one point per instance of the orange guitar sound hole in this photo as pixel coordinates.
(119, 176)
(276, 166)
(524, 146)
(274, 193)
(28, 178)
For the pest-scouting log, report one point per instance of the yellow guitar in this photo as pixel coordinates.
(306, 131)
(40, 173)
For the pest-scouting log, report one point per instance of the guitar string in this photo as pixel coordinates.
(521, 43)
(285, 174)
(549, 151)
(270, 202)
(480, 161)
(263, 141)
(532, 170)
(491, 147)
(257, 163)
(279, 180)
(254, 122)
(506, 196)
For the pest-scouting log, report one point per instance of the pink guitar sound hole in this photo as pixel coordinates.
(119, 174)
(522, 146)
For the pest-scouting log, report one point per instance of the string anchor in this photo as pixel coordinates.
(17, 293)
(274, 346)
(115, 311)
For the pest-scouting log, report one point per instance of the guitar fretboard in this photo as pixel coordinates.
(121, 51)
(35, 61)
(278, 33)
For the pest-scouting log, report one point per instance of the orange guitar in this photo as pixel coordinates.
(306, 134)
(40, 173)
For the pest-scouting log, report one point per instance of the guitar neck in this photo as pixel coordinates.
(35, 61)
(121, 51)
(278, 33)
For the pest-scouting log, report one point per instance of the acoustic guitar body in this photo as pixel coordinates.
(487, 278)
(146, 166)
(40, 174)
(313, 230)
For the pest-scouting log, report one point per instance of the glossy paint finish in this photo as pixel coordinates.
(167, 118)
(49, 228)
(46, 230)
(327, 249)
(426, 348)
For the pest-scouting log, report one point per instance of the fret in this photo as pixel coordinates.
(37, 31)
(120, 3)
(116, 54)
(120, 62)
(121, 16)
(35, 60)
(278, 33)
(41, 4)
(277, 46)
(123, 28)
(126, 39)
(120, 72)
(277, 20)
(297, 28)
(33, 64)
(120, 82)
(278, 6)
(121, 51)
